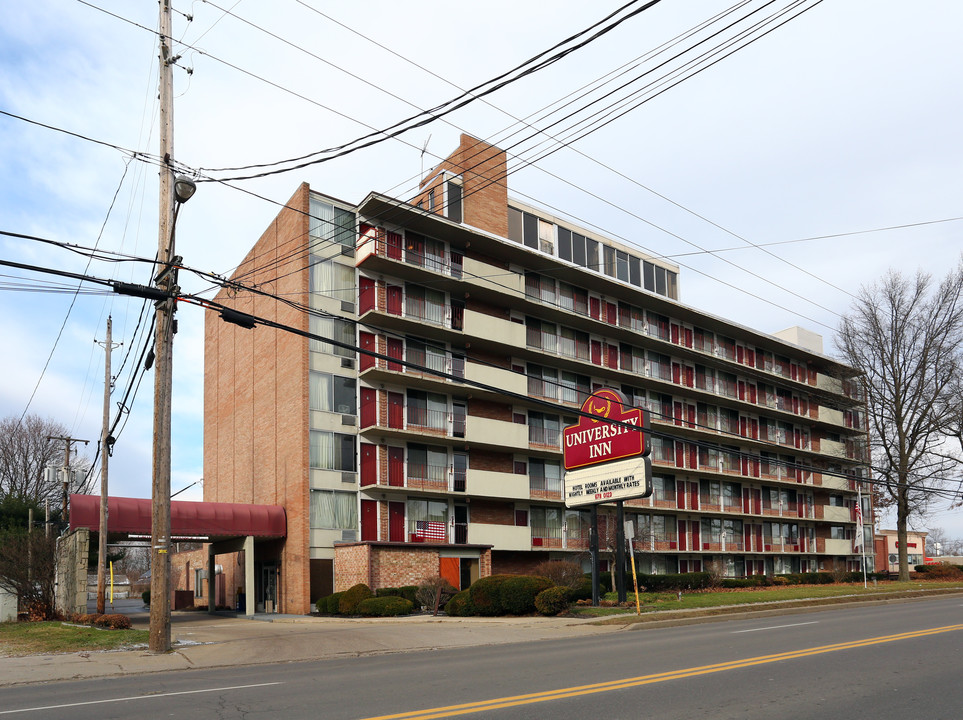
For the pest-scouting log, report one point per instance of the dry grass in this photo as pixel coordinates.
(44, 638)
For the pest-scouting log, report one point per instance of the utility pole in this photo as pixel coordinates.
(68, 443)
(106, 443)
(160, 589)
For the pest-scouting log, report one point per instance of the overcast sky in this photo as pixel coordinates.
(816, 141)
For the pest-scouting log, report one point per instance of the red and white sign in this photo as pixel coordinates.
(605, 436)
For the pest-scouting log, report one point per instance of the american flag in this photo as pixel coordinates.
(430, 530)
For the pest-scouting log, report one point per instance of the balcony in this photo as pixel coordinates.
(501, 537)
(833, 417)
(837, 514)
(501, 434)
(494, 329)
(835, 547)
(500, 485)
(494, 279)
(506, 380)
(543, 437)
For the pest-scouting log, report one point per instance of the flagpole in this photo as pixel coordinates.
(862, 535)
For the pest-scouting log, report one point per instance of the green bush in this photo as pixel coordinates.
(485, 594)
(329, 605)
(460, 605)
(348, 603)
(408, 592)
(582, 590)
(675, 581)
(731, 583)
(145, 596)
(387, 606)
(553, 600)
(518, 593)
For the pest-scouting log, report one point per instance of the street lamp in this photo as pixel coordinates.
(184, 189)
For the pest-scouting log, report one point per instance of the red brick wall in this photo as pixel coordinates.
(515, 563)
(489, 409)
(491, 512)
(256, 395)
(490, 460)
(485, 197)
(391, 565)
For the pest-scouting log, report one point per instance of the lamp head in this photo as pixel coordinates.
(184, 188)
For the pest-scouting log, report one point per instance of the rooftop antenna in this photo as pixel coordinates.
(424, 149)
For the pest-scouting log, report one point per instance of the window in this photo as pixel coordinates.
(429, 410)
(427, 464)
(574, 388)
(332, 393)
(421, 353)
(657, 325)
(577, 525)
(199, 575)
(540, 288)
(332, 451)
(428, 520)
(633, 359)
(543, 429)
(542, 335)
(542, 381)
(546, 237)
(573, 343)
(546, 523)
(334, 510)
(710, 492)
(515, 224)
(330, 224)
(425, 304)
(572, 298)
(663, 488)
(545, 477)
(454, 201)
(335, 329)
(658, 365)
(663, 449)
(332, 278)
(703, 340)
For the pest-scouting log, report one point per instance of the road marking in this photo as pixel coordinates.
(150, 696)
(776, 627)
(517, 700)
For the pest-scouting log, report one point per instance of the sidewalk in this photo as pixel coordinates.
(207, 641)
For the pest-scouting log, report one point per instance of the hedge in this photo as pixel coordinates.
(460, 605)
(408, 592)
(485, 594)
(387, 606)
(348, 603)
(553, 600)
(328, 605)
(518, 593)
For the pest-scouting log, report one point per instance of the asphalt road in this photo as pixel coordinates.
(891, 661)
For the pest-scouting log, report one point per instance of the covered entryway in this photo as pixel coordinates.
(257, 530)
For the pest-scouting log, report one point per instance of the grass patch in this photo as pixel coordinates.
(41, 638)
(656, 602)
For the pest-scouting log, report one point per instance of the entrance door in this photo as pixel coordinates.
(269, 588)
(461, 524)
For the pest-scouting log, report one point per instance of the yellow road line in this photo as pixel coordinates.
(517, 700)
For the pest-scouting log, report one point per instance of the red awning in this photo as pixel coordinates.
(188, 519)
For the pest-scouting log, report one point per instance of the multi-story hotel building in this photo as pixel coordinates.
(464, 330)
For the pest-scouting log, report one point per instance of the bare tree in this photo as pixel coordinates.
(905, 337)
(27, 561)
(25, 450)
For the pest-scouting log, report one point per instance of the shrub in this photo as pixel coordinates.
(408, 592)
(560, 572)
(348, 602)
(939, 572)
(553, 600)
(89, 618)
(460, 605)
(387, 606)
(780, 580)
(115, 622)
(583, 590)
(329, 605)
(485, 594)
(518, 593)
(145, 596)
(675, 582)
(433, 593)
(731, 583)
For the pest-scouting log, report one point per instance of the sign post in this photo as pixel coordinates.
(606, 460)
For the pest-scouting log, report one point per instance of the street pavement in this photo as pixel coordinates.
(201, 640)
